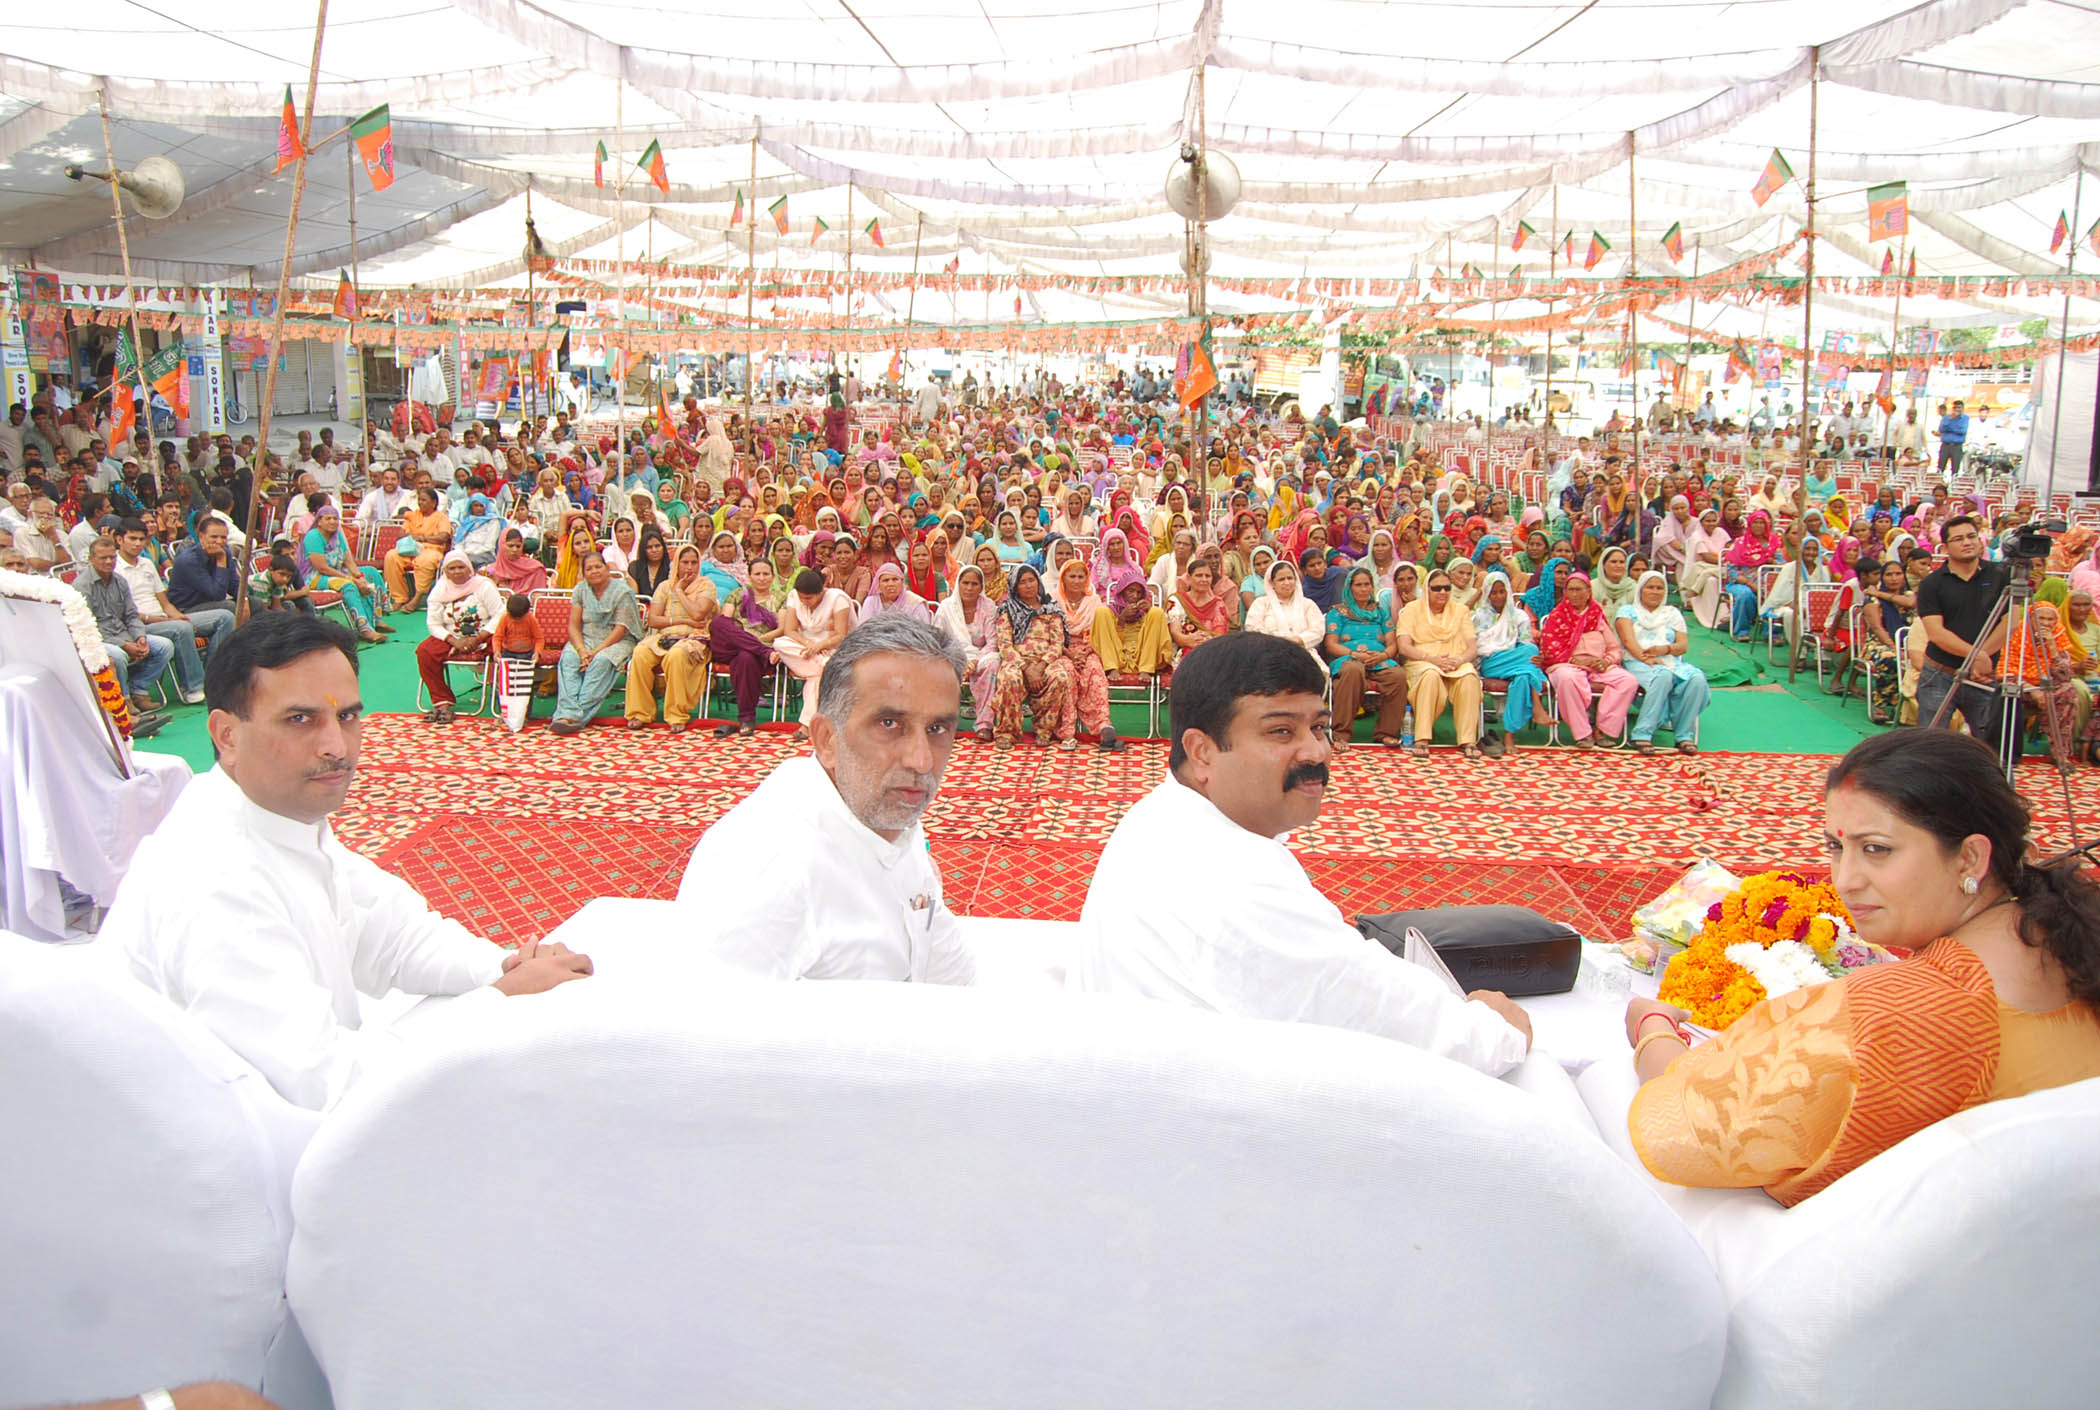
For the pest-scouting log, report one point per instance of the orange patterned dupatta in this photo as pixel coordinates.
(1806, 1087)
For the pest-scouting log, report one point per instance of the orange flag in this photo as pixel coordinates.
(289, 147)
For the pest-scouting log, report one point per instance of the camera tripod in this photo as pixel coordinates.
(2012, 604)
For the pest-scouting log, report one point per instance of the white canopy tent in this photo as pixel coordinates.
(1379, 140)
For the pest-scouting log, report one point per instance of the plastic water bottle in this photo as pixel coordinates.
(1407, 728)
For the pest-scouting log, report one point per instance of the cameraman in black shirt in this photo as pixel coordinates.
(1953, 604)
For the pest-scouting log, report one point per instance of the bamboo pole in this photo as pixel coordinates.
(1495, 265)
(1888, 420)
(1550, 428)
(1633, 347)
(284, 279)
(131, 296)
(1808, 355)
(911, 299)
(1691, 321)
(618, 471)
(750, 287)
(2057, 391)
(529, 398)
(357, 314)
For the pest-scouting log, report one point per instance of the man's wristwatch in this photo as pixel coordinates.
(157, 1399)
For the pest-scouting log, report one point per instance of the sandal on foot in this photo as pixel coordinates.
(1685, 746)
(1642, 746)
(725, 731)
(1420, 751)
(1471, 751)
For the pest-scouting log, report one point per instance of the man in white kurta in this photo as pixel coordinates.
(1191, 906)
(244, 910)
(823, 872)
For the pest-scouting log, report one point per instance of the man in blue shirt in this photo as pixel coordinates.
(1954, 435)
(203, 579)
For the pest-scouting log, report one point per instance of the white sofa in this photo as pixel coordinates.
(875, 1195)
(1958, 1269)
(145, 1176)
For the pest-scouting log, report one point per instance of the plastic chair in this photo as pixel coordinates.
(483, 665)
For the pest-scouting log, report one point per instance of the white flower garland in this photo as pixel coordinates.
(1781, 968)
(87, 638)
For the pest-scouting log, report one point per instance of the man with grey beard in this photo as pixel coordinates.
(823, 872)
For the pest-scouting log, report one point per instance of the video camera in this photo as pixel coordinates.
(2032, 541)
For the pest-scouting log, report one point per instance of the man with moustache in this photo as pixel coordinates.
(823, 872)
(1198, 901)
(242, 907)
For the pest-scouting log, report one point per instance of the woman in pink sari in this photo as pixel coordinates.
(1075, 598)
(1581, 657)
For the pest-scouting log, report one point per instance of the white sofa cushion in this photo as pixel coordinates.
(1955, 1269)
(146, 1172)
(879, 1195)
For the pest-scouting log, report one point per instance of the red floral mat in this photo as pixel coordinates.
(513, 833)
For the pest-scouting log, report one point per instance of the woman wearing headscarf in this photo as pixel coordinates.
(1544, 593)
(1404, 587)
(1581, 657)
(1434, 635)
(1130, 633)
(1700, 578)
(970, 618)
(845, 572)
(1752, 550)
(1318, 578)
(892, 594)
(1614, 584)
(1672, 534)
(1256, 583)
(2038, 652)
(676, 648)
(1771, 497)
(920, 575)
(1465, 585)
(1805, 568)
(724, 564)
(785, 564)
(1035, 673)
(1502, 635)
(1380, 555)
(1083, 613)
(2085, 575)
(604, 624)
(1111, 555)
(1286, 612)
(991, 574)
(462, 614)
(1168, 568)
(1361, 654)
(1653, 636)
(516, 571)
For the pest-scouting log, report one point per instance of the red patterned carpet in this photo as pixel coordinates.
(512, 834)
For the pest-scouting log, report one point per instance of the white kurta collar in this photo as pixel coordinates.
(887, 854)
(271, 827)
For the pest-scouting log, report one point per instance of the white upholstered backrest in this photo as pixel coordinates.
(888, 1195)
(1956, 1269)
(146, 1173)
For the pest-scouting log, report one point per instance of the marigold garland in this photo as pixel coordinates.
(1764, 910)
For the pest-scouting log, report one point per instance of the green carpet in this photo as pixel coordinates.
(1754, 711)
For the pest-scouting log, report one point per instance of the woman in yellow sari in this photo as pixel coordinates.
(1928, 848)
(576, 543)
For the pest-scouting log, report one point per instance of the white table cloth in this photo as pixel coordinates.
(65, 810)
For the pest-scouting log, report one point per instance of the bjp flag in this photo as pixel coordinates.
(2060, 234)
(874, 232)
(1524, 232)
(1195, 375)
(1888, 211)
(1776, 174)
(598, 166)
(1673, 241)
(652, 161)
(779, 211)
(1599, 248)
(289, 147)
(1888, 263)
(345, 297)
(374, 135)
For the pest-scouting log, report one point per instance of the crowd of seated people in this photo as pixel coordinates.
(1422, 593)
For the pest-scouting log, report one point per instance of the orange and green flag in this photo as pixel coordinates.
(1567, 246)
(1673, 240)
(1888, 263)
(736, 212)
(123, 414)
(163, 373)
(817, 228)
(345, 297)
(1195, 375)
(874, 232)
(598, 165)
(289, 147)
(1599, 248)
(1911, 272)
(2092, 237)
(1524, 232)
(652, 161)
(1888, 211)
(2060, 234)
(1776, 174)
(374, 135)
(779, 211)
